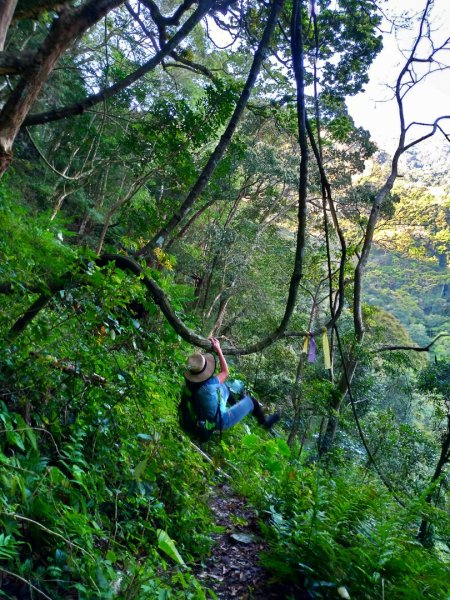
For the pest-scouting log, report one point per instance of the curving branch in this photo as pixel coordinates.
(81, 106)
(336, 312)
(70, 24)
(298, 63)
(161, 237)
(435, 126)
(157, 294)
(127, 264)
(414, 348)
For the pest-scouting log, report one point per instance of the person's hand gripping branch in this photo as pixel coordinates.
(224, 371)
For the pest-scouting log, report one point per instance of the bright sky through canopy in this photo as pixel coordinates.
(375, 109)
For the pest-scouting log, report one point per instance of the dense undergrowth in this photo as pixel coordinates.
(103, 496)
(94, 467)
(341, 529)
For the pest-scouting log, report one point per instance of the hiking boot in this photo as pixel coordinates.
(271, 420)
(258, 413)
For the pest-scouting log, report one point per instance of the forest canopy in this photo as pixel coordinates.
(175, 171)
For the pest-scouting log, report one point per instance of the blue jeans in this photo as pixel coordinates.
(235, 413)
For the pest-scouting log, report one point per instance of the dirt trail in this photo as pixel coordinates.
(233, 571)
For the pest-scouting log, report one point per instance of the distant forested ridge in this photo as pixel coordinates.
(409, 274)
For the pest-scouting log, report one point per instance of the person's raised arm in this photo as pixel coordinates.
(224, 372)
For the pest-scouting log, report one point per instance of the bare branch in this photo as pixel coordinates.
(71, 23)
(14, 515)
(434, 127)
(80, 107)
(414, 348)
(161, 237)
(27, 583)
(71, 369)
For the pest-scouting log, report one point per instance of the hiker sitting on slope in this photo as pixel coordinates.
(210, 394)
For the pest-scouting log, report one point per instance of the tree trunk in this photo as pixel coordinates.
(208, 281)
(445, 293)
(295, 395)
(220, 316)
(70, 24)
(83, 226)
(105, 227)
(335, 407)
(7, 8)
(424, 529)
(182, 232)
(295, 428)
(5, 160)
(58, 204)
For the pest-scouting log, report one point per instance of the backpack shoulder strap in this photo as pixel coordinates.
(218, 411)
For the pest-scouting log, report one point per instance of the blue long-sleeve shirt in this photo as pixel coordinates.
(208, 396)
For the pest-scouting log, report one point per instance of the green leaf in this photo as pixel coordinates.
(140, 468)
(250, 441)
(31, 438)
(22, 424)
(167, 545)
(8, 547)
(14, 438)
(283, 448)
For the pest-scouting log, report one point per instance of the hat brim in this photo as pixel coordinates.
(204, 375)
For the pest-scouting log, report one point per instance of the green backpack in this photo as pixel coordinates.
(203, 429)
(189, 421)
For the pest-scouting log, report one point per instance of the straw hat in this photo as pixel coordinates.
(200, 367)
